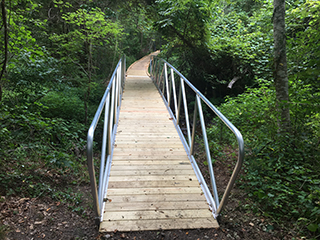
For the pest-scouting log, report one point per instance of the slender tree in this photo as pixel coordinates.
(89, 28)
(5, 26)
(280, 65)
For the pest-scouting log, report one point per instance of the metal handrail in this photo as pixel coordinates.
(166, 85)
(111, 102)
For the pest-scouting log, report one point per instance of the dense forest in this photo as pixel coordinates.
(57, 57)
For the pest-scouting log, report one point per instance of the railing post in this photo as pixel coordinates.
(111, 119)
(116, 95)
(104, 146)
(167, 85)
(174, 93)
(185, 105)
(209, 161)
(235, 171)
(93, 183)
(194, 128)
(164, 69)
(123, 72)
(179, 103)
(151, 57)
(158, 73)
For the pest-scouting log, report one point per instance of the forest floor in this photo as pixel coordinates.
(45, 218)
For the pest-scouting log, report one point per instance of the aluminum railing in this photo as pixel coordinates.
(167, 86)
(111, 102)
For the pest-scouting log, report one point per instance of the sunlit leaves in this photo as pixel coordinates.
(303, 39)
(88, 26)
(20, 36)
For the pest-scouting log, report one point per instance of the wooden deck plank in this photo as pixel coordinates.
(128, 156)
(147, 144)
(126, 162)
(153, 150)
(190, 177)
(138, 225)
(151, 191)
(144, 184)
(152, 172)
(155, 205)
(157, 214)
(146, 137)
(131, 200)
(151, 167)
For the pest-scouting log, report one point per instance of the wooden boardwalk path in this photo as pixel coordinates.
(152, 184)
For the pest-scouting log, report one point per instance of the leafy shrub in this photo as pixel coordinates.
(282, 172)
(253, 113)
(64, 104)
(29, 142)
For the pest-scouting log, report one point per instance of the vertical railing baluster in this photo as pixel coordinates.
(170, 88)
(119, 88)
(104, 145)
(174, 94)
(119, 92)
(209, 161)
(164, 69)
(155, 72)
(123, 72)
(167, 85)
(194, 128)
(117, 96)
(185, 105)
(110, 140)
(158, 74)
(179, 104)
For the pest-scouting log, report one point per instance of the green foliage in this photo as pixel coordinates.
(304, 34)
(285, 180)
(30, 142)
(89, 26)
(139, 36)
(253, 112)
(31, 76)
(60, 58)
(66, 104)
(218, 42)
(282, 172)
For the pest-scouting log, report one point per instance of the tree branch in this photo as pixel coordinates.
(187, 42)
(85, 72)
(233, 82)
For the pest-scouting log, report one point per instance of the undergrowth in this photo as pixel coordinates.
(40, 156)
(282, 171)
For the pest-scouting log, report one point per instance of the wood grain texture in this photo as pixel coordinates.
(151, 184)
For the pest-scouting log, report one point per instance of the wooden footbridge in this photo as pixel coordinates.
(148, 178)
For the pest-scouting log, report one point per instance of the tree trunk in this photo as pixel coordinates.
(280, 64)
(89, 71)
(5, 26)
